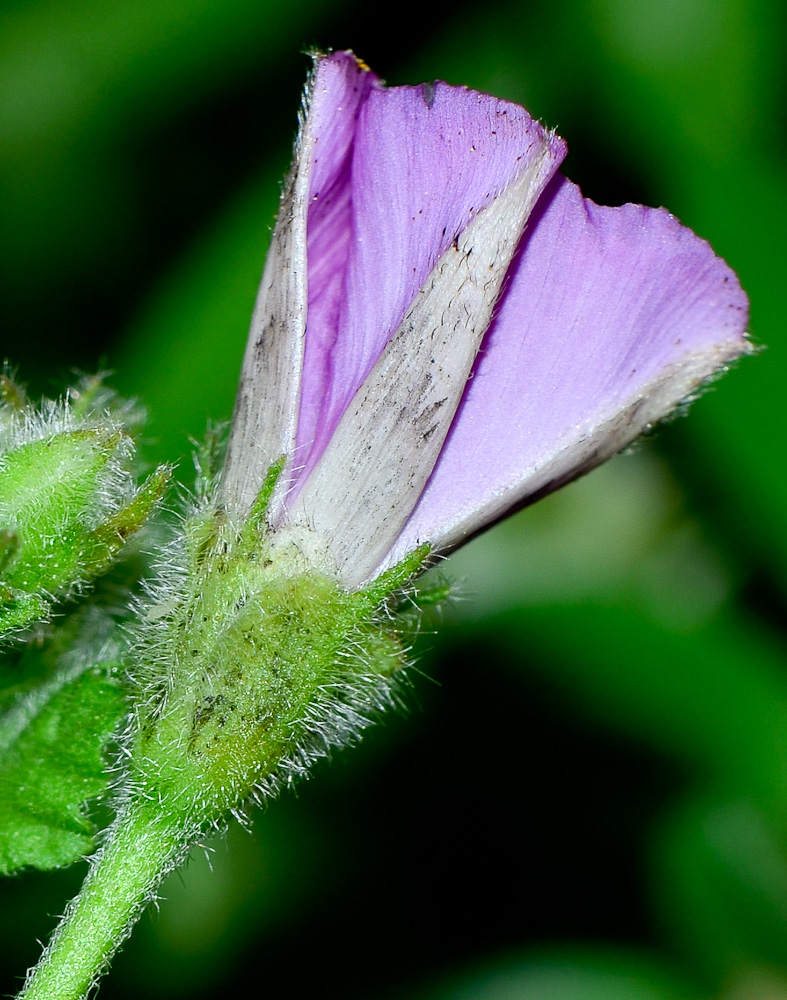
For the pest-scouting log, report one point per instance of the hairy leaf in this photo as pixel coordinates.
(52, 760)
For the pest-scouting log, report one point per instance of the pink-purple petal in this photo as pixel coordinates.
(423, 161)
(341, 86)
(611, 317)
(384, 449)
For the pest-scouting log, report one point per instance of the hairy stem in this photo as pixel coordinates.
(247, 668)
(144, 844)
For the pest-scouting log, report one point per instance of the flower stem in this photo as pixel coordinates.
(143, 845)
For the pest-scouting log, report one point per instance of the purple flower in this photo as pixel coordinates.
(447, 330)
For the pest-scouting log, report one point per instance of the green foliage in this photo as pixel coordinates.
(52, 761)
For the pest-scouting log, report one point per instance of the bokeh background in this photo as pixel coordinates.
(587, 799)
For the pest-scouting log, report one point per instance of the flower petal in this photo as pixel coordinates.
(386, 444)
(424, 161)
(316, 192)
(611, 318)
(341, 87)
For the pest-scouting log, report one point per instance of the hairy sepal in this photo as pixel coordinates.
(67, 500)
(251, 661)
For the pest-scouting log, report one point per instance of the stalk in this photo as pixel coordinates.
(248, 670)
(143, 845)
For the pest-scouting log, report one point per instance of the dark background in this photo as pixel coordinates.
(588, 797)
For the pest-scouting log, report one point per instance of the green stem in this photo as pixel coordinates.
(144, 844)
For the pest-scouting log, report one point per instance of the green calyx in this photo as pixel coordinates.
(66, 502)
(252, 663)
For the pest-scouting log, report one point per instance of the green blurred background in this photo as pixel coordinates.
(588, 797)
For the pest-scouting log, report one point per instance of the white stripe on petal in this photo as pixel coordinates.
(611, 317)
(582, 450)
(266, 407)
(386, 444)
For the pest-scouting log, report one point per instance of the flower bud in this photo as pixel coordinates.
(66, 504)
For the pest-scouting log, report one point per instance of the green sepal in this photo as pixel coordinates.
(203, 530)
(103, 544)
(208, 459)
(435, 592)
(255, 522)
(398, 576)
(52, 761)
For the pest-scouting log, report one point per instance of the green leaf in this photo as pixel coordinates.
(52, 761)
